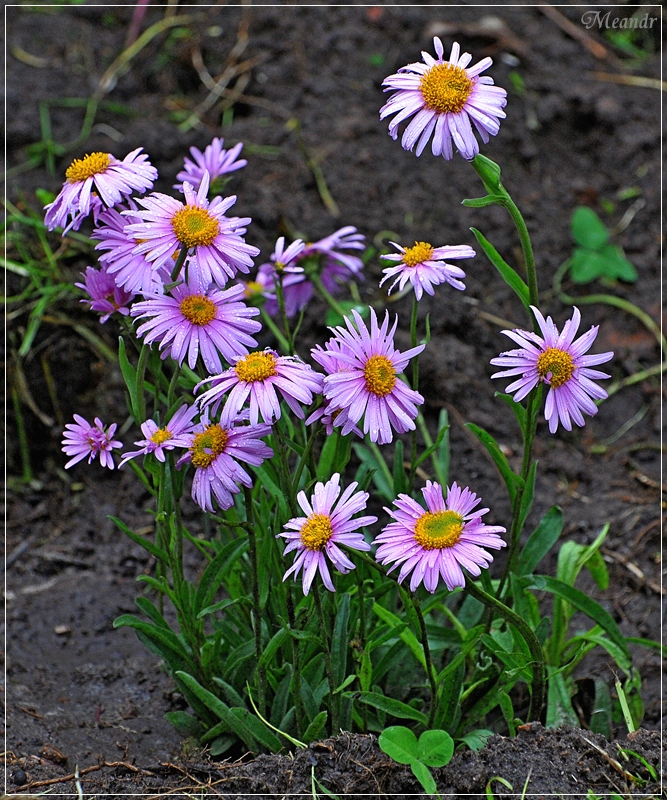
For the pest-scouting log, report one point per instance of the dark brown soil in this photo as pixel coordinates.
(80, 694)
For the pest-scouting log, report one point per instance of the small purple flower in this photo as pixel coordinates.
(215, 240)
(259, 377)
(559, 361)
(95, 180)
(438, 542)
(105, 296)
(83, 439)
(131, 271)
(445, 96)
(214, 450)
(371, 388)
(425, 267)
(327, 525)
(173, 434)
(339, 267)
(330, 416)
(188, 322)
(215, 160)
(285, 259)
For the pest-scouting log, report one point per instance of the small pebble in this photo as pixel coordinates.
(19, 778)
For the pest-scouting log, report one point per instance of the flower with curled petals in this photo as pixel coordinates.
(158, 439)
(82, 439)
(215, 240)
(424, 266)
(257, 378)
(95, 181)
(328, 524)
(370, 386)
(436, 543)
(215, 160)
(558, 360)
(445, 97)
(104, 295)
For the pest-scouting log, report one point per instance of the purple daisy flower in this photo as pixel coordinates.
(215, 160)
(131, 271)
(445, 96)
(559, 361)
(214, 450)
(425, 267)
(214, 239)
(371, 388)
(96, 179)
(330, 416)
(439, 541)
(105, 296)
(173, 434)
(188, 322)
(83, 439)
(260, 376)
(339, 267)
(328, 525)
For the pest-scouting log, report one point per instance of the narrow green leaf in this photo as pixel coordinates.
(528, 495)
(541, 541)
(314, 730)
(423, 775)
(130, 378)
(598, 569)
(507, 273)
(482, 202)
(257, 728)
(559, 704)
(275, 643)
(211, 580)
(388, 705)
(400, 478)
(147, 544)
(185, 724)
(517, 409)
(151, 612)
(405, 634)
(512, 480)
(163, 643)
(601, 716)
(325, 463)
(340, 639)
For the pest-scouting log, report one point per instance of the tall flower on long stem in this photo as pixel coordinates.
(445, 97)
(436, 543)
(370, 387)
(557, 360)
(327, 525)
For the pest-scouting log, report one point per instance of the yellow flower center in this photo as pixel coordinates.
(435, 531)
(422, 251)
(208, 445)
(82, 168)
(380, 375)
(197, 309)
(555, 365)
(253, 288)
(256, 367)
(446, 88)
(316, 531)
(160, 436)
(194, 226)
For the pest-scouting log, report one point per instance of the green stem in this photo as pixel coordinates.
(298, 702)
(141, 386)
(256, 606)
(315, 429)
(275, 330)
(415, 387)
(326, 294)
(280, 294)
(372, 446)
(324, 627)
(536, 652)
(430, 671)
(283, 467)
(179, 263)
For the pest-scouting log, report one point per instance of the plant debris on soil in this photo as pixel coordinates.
(581, 129)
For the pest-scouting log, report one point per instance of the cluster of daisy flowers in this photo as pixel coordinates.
(172, 266)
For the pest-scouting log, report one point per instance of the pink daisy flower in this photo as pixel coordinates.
(188, 322)
(214, 239)
(559, 361)
(214, 160)
(105, 296)
(258, 377)
(370, 387)
(83, 439)
(329, 416)
(327, 525)
(173, 434)
(96, 179)
(445, 96)
(334, 245)
(214, 451)
(425, 267)
(439, 541)
(131, 271)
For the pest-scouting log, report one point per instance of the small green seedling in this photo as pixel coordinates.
(595, 257)
(434, 749)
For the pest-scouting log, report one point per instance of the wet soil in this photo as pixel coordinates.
(80, 694)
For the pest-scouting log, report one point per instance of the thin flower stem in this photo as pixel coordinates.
(280, 294)
(283, 468)
(415, 387)
(275, 330)
(179, 263)
(141, 385)
(324, 627)
(326, 294)
(528, 635)
(298, 702)
(256, 605)
(173, 384)
(306, 453)
(372, 446)
(430, 671)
